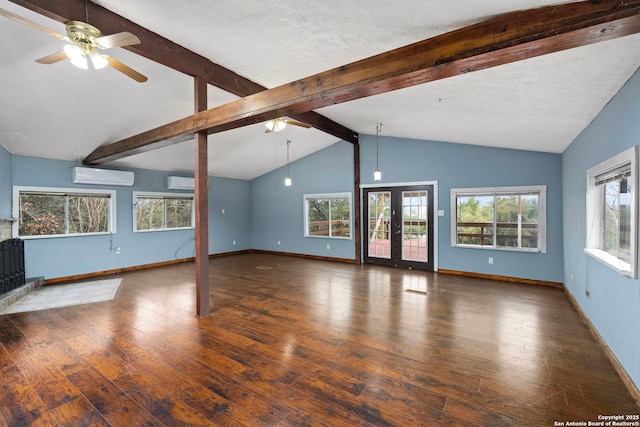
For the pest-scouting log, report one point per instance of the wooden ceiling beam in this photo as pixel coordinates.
(172, 55)
(507, 38)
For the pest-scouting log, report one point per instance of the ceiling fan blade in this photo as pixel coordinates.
(294, 123)
(125, 69)
(124, 38)
(31, 24)
(53, 58)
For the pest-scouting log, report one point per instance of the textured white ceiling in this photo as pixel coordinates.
(60, 112)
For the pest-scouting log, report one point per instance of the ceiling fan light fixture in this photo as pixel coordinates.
(98, 61)
(83, 41)
(80, 62)
(275, 125)
(73, 52)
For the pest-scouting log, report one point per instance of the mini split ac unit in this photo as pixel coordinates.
(180, 183)
(102, 176)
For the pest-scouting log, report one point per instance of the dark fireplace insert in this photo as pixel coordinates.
(11, 265)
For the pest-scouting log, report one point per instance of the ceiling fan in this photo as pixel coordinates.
(84, 42)
(276, 125)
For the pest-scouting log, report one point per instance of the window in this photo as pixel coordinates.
(328, 215)
(56, 212)
(509, 218)
(162, 211)
(611, 212)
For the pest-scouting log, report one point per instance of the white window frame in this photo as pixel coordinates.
(162, 195)
(329, 196)
(498, 191)
(594, 214)
(55, 191)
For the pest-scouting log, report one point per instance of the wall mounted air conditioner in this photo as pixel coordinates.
(102, 176)
(180, 183)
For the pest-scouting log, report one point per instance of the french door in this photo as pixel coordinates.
(398, 226)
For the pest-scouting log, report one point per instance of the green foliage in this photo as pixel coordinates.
(476, 213)
(318, 209)
(329, 217)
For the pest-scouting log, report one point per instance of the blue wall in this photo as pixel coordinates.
(468, 166)
(5, 183)
(68, 256)
(614, 301)
(277, 212)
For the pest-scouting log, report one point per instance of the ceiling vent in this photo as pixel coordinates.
(180, 183)
(102, 177)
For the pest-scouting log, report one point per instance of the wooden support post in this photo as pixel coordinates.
(357, 214)
(201, 172)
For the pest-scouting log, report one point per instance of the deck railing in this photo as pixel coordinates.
(339, 228)
(505, 231)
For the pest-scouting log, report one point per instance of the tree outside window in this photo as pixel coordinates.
(504, 218)
(49, 212)
(163, 211)
(328, 215)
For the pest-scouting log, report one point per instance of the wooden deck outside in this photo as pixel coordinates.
(294, 342)
(413, 250)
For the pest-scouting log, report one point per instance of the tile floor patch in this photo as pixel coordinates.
(58, 296)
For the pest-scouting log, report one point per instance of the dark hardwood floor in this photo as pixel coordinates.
(294, 342)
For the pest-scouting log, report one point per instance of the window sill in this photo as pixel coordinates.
(499, 248)
(610, 261)
(328, 237)
(153, 230)
(64, 236)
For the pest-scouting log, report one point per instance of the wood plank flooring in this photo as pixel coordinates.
(297, 342)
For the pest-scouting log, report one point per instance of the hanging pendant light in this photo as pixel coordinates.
(287, 180)
(377, 174)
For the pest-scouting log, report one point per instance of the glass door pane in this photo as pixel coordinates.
(379, 224)
(398, 224)
(414, 226)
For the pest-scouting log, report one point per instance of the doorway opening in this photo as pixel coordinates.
(399, 226)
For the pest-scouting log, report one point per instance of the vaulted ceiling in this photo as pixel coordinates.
(60, 112)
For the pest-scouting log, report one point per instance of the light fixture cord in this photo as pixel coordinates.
(378, 130)
(288, 143)
(78, 116)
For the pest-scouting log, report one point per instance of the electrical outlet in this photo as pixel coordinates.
(278, 242)
(328, 246)
(490, 260)
(234, 243)
(117, 250)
